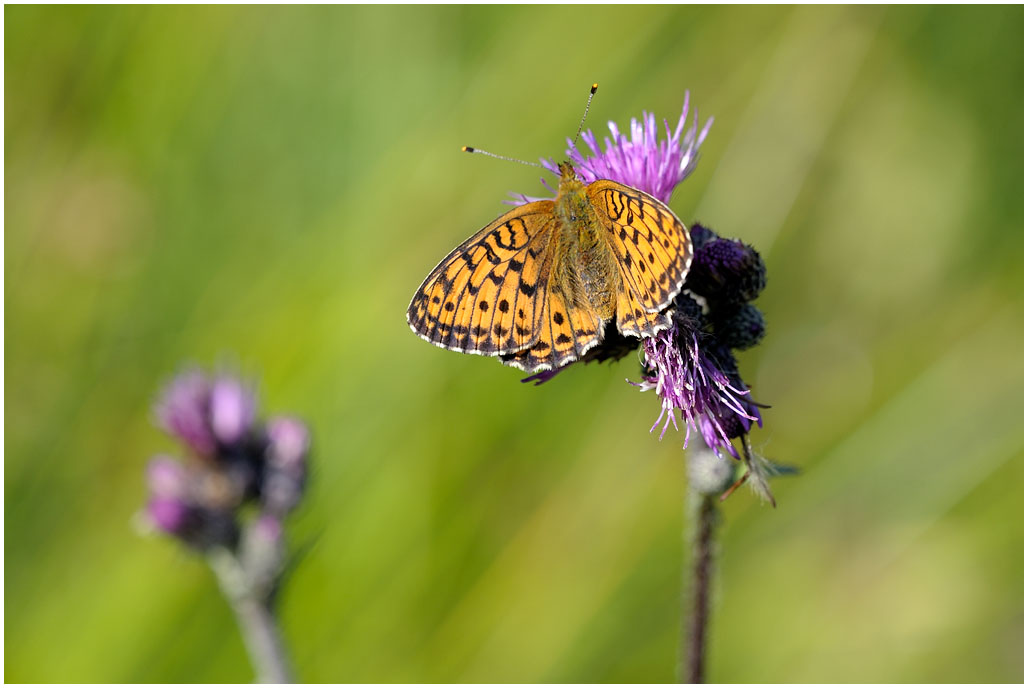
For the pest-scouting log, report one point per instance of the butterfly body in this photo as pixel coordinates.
(537, 286)
(585, 272)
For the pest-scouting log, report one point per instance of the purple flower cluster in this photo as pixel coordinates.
(641, 160)
(232, 460)
(691, 365)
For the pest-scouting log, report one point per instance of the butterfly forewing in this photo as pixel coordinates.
(487, 296)
(652, 248)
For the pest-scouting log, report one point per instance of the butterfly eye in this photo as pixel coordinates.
(573, 218)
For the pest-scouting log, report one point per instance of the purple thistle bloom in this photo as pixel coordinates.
(728, 271)
(232, 410)
(166, 477)
(233, 460)
(183, 411)
(688, 378)
(206, 414)
(639, 160)
(288, 446)
(170, 515)
(227, 500)
(169, 508)
(288, 443)
(690, 365)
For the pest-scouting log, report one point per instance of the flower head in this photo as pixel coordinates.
(726, 270)
(286, 473)
(642, 160)
(184, 412)
(232, 409)
(696, 377)
(232, 460)
(167, 478)
(168, 514)
(691, 364)
(206, 414)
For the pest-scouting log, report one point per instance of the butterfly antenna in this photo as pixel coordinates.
(593, 90)
(469, 149)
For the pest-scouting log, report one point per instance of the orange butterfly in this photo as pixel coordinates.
(538, 285)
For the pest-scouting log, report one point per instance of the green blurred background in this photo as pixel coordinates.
(264, 188)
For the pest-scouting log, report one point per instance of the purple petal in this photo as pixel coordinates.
(168, 514)
(166, 477)
(688, 379)
(288, 443)
(183, 411)
(232, 410)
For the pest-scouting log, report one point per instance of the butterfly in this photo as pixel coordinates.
(537, 286)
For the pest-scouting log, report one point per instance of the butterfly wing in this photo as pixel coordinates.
(488, 295)
(566, 333)
(653, 250)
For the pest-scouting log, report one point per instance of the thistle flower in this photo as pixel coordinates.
(232, 410)
(183, 412)
(286, 473)
(227, 500)
(168, 508)
(232, 460)
(643, 161)
(695, 375)
(690, 365)
(640, 160)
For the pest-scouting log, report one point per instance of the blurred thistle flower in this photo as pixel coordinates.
(168, 508)
(286, 473)
(228, 498)
(232, 460)
(232, 410)
(183, 412)
(690, 365)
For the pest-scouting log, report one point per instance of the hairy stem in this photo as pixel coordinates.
(253, 609)
(698, 600)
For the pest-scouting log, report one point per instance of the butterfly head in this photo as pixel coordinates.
(567, 172)
(572, 204)
(569, 182)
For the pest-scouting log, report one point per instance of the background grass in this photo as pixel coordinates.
(265, 188)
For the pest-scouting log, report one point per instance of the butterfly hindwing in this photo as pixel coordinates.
(566, 332)
(633, 320)
(652, 248)
(487, 296)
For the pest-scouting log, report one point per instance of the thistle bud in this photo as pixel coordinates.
(727, 271)
(741, 328)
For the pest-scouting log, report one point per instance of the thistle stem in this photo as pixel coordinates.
(255, 618)
(708, 476)
(698, 597)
